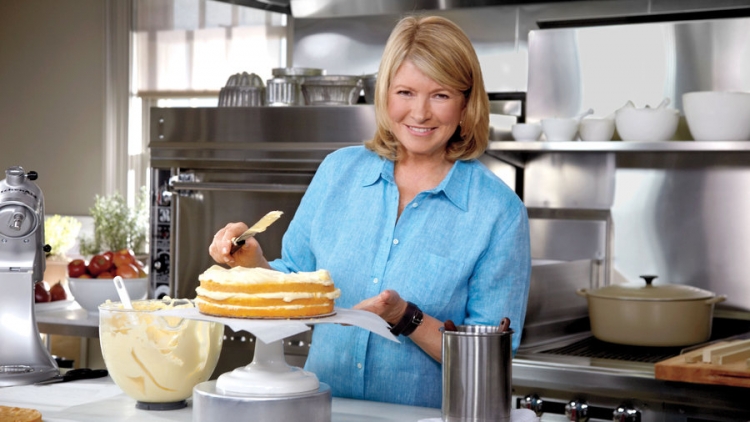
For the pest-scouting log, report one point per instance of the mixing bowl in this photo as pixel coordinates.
(646, 124)
(596, 130)
(92, 292)
(717, 116)
(157, 360)
(560, 129)
(524, 132)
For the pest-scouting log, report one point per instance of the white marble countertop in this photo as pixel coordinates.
(101, 400)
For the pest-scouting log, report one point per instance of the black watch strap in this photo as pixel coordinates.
(412, 319)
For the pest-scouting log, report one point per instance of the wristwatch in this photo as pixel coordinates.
(409, 322)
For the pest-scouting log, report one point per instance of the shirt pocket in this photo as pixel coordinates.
(434, 282)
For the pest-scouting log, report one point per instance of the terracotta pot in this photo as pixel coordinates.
(651, 314)
(56, 270)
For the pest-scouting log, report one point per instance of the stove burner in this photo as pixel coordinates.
(591, 347)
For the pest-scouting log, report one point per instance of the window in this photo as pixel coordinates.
(183, 52)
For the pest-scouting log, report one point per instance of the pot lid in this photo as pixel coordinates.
(650, 291)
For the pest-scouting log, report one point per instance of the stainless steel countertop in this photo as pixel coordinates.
(101, 400)
(66, 318)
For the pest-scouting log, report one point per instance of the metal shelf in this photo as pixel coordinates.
(620, 146)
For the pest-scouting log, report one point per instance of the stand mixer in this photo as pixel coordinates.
(23, 357)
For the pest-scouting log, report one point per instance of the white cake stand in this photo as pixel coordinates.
(268, 388)
(267, 375)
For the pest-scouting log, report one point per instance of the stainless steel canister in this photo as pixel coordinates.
(282, 92)
(295, 76)
(477, 374)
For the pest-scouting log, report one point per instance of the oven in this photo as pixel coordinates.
(212, 166)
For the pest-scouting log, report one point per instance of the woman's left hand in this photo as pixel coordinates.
(391, 307)
(388, 305)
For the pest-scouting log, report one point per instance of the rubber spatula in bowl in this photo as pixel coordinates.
(122, 292)
(258, 227)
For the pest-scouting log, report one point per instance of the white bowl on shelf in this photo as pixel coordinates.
(560, 129)
(717, 115)
(646, 124)
(596, 130)
(526, 132)
(92, 292)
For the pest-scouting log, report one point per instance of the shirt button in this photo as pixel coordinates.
(414, 205)
(375, 280)
(359, 366)
(395, 241)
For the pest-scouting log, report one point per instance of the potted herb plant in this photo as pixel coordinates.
(118, 226)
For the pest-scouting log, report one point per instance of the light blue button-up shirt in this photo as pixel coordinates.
(459, 251)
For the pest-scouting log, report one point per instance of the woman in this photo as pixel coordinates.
(411, 226)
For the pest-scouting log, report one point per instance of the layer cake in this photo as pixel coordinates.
(262, 293)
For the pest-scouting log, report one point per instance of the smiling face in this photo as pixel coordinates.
(423, 114)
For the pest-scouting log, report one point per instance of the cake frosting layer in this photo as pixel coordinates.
(243, 275)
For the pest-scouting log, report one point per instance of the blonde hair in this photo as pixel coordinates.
(443, 52)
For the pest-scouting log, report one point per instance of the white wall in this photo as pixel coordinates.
(52, 82)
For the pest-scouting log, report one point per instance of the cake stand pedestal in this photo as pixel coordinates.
(267, 388)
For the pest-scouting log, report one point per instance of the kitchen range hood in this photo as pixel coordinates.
(582, 13)
(349, 8)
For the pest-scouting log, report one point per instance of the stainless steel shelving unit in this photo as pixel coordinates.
(620, 146)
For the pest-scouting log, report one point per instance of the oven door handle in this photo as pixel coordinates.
(186, 188)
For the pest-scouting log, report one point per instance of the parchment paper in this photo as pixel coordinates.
(271, 330)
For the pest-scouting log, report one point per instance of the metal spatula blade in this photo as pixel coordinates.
(258, 227)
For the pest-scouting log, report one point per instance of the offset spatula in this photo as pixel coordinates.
(258, 227)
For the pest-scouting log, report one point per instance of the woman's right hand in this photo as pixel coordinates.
(249, 255)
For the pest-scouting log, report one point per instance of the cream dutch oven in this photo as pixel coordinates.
(651, 314)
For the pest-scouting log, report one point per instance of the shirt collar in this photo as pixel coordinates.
(454, 186)
(377, 169)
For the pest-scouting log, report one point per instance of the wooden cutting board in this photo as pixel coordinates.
(690, 367)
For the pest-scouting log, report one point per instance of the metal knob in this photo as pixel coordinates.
(577, 411)
(17, 221)
(626, 413)
(161, 263)
(532, 402)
